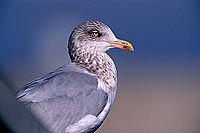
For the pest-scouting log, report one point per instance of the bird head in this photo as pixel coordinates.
(95, 36)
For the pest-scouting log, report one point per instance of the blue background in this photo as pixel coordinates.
(158, 84)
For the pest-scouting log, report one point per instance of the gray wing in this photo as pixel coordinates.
(63, 97)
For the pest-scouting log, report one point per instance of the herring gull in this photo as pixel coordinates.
(77, 97)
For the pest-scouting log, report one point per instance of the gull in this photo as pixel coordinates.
(78, 96)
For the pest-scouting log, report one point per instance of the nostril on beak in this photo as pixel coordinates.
(123, 43)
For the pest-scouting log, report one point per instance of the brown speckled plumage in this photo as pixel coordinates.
(89, 52)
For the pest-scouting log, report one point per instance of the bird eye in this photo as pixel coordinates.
(94, 33)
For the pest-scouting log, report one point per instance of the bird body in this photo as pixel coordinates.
(77, 97)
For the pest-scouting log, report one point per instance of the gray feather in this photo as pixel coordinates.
(63, 97)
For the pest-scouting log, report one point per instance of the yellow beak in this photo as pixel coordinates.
(122, 45)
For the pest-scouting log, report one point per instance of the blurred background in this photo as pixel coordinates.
(158, 84)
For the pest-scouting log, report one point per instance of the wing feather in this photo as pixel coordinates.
(63, 97)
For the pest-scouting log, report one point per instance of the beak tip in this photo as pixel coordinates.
(132, 50)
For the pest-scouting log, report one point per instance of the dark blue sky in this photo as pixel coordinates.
(34, 34)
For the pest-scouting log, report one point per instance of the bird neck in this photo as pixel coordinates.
(99, 64)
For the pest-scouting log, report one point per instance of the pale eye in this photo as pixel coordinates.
(95, 33)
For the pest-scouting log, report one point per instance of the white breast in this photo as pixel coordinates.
(111, 96)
